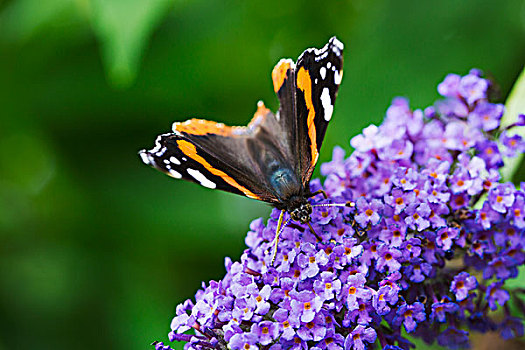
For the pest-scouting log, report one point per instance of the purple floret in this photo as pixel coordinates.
(410, 315)
(358, 338)
(462, 284)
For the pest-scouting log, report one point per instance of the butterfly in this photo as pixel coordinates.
(272, 158)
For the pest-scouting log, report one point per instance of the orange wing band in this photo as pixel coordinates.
(304, 83)
(203, 127)
(191, 151)
(279, 74)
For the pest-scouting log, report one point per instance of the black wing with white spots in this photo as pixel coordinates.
(318, 74)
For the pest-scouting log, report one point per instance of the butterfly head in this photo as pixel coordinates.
(300, 210)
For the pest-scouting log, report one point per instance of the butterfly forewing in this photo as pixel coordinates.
(181, 159)
(318, 73)
(222, 157)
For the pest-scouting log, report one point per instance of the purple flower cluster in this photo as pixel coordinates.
(426, 250)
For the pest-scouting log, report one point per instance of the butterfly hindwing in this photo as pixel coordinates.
(318, 73)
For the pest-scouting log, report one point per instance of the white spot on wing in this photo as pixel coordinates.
(197, 175)
(145, 157)
(174, 174)
(327, 104)
(322, 71)
(337, 43)
(337, 77)
(174, 160)
(328, 65)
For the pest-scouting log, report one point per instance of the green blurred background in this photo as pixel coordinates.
(96, 249)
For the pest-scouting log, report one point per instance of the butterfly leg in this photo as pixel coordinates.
(277, 233)
(313, 232)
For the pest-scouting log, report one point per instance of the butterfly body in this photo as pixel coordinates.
(272, 158)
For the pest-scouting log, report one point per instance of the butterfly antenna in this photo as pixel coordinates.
(277, 234)
(347, 204)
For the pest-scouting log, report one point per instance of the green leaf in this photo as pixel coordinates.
(124, 28)
(514, 106)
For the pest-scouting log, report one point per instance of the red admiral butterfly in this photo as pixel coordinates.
(273, 158)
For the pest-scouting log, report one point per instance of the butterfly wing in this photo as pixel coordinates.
(318, 73)
(217, 156)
